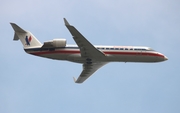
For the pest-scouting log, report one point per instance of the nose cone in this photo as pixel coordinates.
(165, 58)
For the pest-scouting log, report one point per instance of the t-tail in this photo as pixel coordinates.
(27, 38)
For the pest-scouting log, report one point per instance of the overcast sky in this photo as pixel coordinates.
(30, 84)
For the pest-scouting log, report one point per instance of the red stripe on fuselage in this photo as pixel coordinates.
(135, 53)
(106, 52)
(52, 52)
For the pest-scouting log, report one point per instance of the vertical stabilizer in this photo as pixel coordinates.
(26, 37)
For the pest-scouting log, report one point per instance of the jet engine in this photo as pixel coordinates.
(55, 43)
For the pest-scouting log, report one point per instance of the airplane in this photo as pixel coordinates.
(91, 57)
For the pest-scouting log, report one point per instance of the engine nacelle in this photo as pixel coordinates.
(55, 43)
(59, 42)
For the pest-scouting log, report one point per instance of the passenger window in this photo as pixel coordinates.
(121, 48)
(126, 48)
(112, 48)
(131, 48)
(116, 48)
(107, 48)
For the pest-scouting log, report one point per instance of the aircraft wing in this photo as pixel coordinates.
(86, 48)
(87, 51)
(88, 70)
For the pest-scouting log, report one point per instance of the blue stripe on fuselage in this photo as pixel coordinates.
(50, 49)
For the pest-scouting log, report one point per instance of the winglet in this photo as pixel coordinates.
(66, 22)
(74, 79)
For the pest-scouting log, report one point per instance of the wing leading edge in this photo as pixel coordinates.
(86, 48)
(88, 51)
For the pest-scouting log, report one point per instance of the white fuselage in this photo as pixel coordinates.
(91, 57)
(112, 53)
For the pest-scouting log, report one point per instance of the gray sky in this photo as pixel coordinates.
(33, 84)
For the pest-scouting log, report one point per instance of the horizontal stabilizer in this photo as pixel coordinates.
(17, 28)
(15, 37)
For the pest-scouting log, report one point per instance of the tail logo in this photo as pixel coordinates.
(28, 40)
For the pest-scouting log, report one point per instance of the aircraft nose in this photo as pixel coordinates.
(165, 58)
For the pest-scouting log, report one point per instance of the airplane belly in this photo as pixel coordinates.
(133, 58)
(55, 56)
(119, 58)
(75, 58)
(69, 57)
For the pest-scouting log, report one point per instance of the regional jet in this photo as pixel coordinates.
(91, 57)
